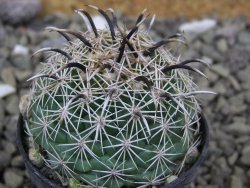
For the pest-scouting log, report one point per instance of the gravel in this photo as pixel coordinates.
(225, 46)
(12, 178)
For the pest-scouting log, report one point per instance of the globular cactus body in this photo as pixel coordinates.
(113, 108)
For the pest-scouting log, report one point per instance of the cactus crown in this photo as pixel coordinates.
(113, 108)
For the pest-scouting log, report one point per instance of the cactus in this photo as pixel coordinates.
(113, 108)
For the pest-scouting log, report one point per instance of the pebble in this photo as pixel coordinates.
(10, 129)
(209, 51)
(208, 37)
(235, 182)
(22, 62)
(4, 53)
(248, 173)
(232, 159)
(247, 96)
(6, 89)
(12, 178)
(9, 147)
(244, 37)
(2, 116)
(22, 75)
(20, 50)
(17, 161)
(238, 129)
(222, 45)
(99, 21)
(2, 185)
(4, 159)
(197, 26)
(245, 156)
(229, 30)
(19, 11)
(237, 59)
(12, 103)
(220, 70)
(8, 77)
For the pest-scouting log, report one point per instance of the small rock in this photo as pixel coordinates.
(10, 41)
(23, 75)
(229, 30)
(208, 37)
(2, 185)
(239, 119)
(242, 139)
(6, 89)
(2, 33)
(22, 62)
(235, 182)
(4, 159)
(12, 179)
(2, 115)
(228, 147)
(247, 96)
(17, 161)
(10, 128)
(244, 37)
(240, 173)
(232, 159)
(219, 88)
(237, 59)
(4, 52)
(234, 83)
(222, 45)
(20, 50)
(211, 76)
(209, 51)
(197, 45)
(58, 19)
(245, 156)
(55, 42)
(23, 40)
(33, 37)
(238, 129)
(236, 103)
(198, 26)
(9, 147)
(18, 12)
(99, 22)
(190, 54)
(7, 75)
(222, 105)
(12, 103)
(248, 174)
(220, 70)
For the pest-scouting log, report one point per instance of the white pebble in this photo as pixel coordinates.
(20, 50)
(100, 22)
(6, 89)
(198, 26)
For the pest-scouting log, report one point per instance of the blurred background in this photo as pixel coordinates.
(218, 31)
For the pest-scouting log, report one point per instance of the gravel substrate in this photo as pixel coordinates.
(226, 47)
